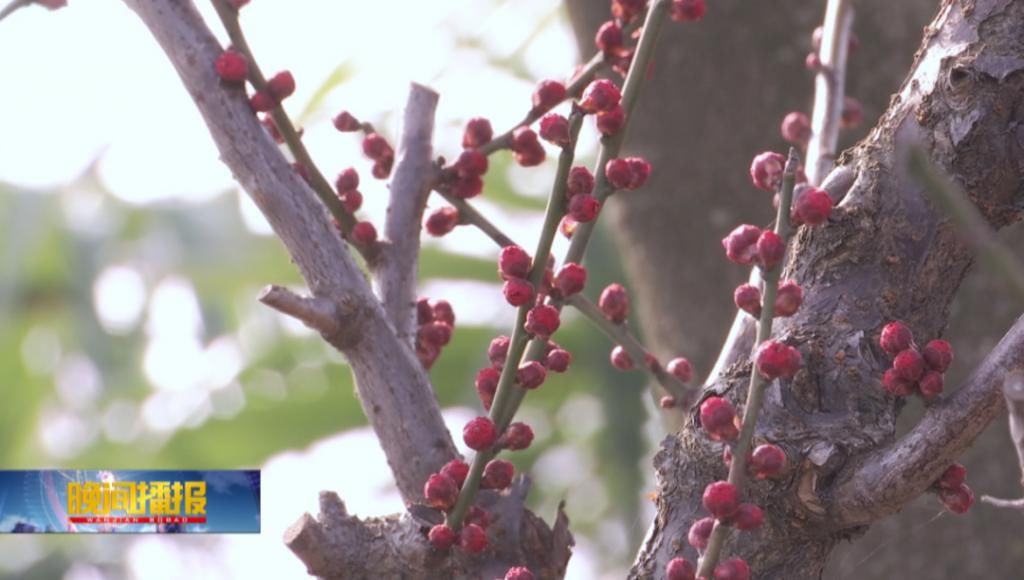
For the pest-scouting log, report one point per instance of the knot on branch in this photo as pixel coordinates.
(337, 322)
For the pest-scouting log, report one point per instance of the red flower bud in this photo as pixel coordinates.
(680, 569)
(909, 365)
(376, 147)
(441, 537)
(558, 360)
(497, 350)
(346, 123)
(580, 180)
(954, 476)
(232, 66)
(347, 180)
(554, 129)
(517, 291)
(700, 532)
(442, 221)
(584, 208)
(938, 355)
(518, 436)
(487, 385)
(363, 233)
(352, 200)
(788, 299)
(766, 462)
(957, 500)
(931, 384)
(441, 491)
(811, 207)
(741, 244)
(718, 418)
(614, 303)
(774, 359)
(514, 262)
(548, 94)
(600, 95)
(473, 539)
(570, 279)
(498, 474)
(620, 359)
(748, 516)
(721, 499)
(261, 102)
(478, 131)
(456, 469)
(639, 170)
(732, 569)
(770, 249)
(281, 85)
(796, 128)
(609, 38)
(895, 338)
(618, 173)
(480, 433)
(896, 385)
(531, 375)
(611, 122)
(542, 321)
(748, 299)
(471, 163)
(766, 170)
(680, 368)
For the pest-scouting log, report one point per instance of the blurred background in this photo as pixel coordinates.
(130, 336)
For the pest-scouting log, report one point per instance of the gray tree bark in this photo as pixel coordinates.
(719, 91)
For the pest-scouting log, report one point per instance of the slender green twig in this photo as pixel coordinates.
(323, 189)
(618, 333)
(755, 393)
(994, 256)
(612, 145)
(505, 403)
(579, 81)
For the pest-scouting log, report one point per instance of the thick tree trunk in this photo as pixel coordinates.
(752, 84)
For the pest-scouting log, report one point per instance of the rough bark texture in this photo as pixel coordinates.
(885, 255)
(699, 190)
(337, 546)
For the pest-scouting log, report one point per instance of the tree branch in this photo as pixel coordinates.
(829, 90)
(336, 545)
(887, 479)
(318, 313)
(393, 387)
(1013, 392)
(396, 271)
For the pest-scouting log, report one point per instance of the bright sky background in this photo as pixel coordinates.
(87, 85)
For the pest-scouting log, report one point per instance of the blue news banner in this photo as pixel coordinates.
(55, 501)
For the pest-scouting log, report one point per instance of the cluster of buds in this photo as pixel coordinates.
(233, 68)
(952, 489)
(721, 500)
(375, 146)
(435, 321)
(442, 491)
(788, 299)
(581, 205)
(720, 422)
(913, 370)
